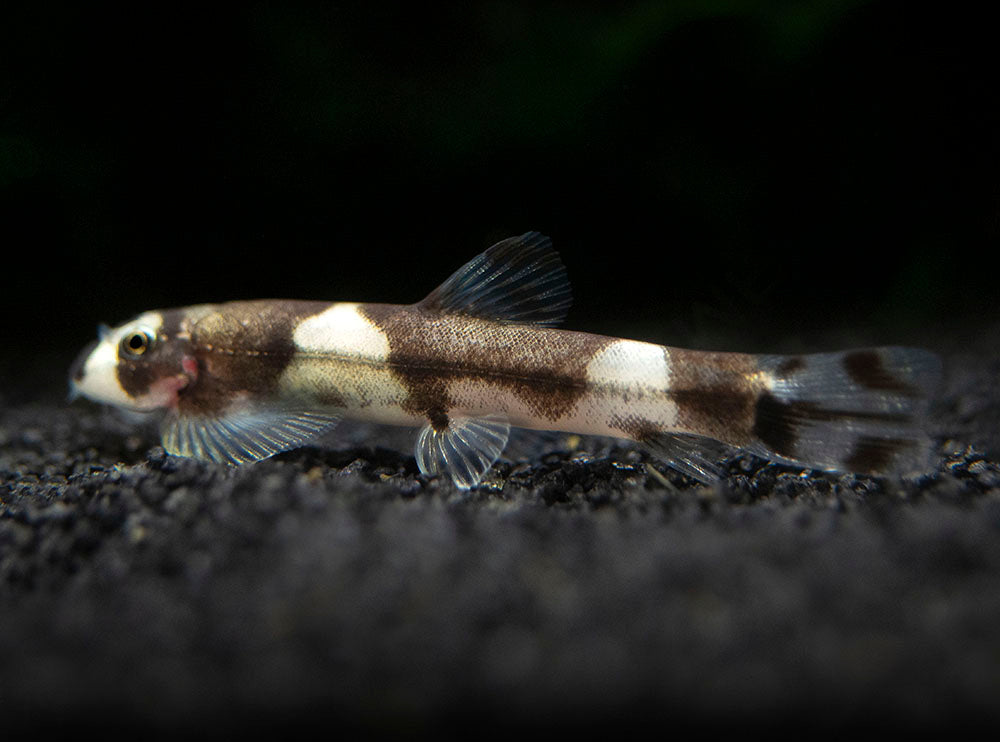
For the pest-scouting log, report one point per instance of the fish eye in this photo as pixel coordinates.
(138, 342)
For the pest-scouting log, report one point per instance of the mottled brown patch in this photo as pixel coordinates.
(715, 393)
(636, 427)
(776, 424)
(546, 369)
(875, 455)
(718, 411)
(438, 419)
(242, 348)
(329, 397)
(866, 368)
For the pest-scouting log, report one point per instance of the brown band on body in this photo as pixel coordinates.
(242, 349)
(429, 351)
(715, 393)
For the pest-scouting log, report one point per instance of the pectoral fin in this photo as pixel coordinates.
(243, 433)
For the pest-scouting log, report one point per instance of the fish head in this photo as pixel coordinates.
(137, 366)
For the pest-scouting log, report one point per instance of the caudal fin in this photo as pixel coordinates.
(862, 411)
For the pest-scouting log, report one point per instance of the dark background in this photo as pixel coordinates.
(771, 176)
(750, 176)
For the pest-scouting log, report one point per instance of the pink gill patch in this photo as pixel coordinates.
(163, 393)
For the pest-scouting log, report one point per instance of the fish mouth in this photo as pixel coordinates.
(76, 370)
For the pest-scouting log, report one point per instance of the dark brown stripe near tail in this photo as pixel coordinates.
(867, 369)
(714, 393)
(778, 424)
(861, 410)
(871, 454)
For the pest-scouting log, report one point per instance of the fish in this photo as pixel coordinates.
(482, 355)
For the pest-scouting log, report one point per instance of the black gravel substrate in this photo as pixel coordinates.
(584, 585)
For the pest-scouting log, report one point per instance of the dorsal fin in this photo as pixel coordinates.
(517, 280)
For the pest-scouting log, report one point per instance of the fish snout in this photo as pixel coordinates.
(76, 370)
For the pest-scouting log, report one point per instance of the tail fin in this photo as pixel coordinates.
(860, 410)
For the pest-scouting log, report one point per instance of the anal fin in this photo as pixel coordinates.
(693, 455)
(465, 448)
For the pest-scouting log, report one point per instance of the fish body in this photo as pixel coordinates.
(480, 355)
